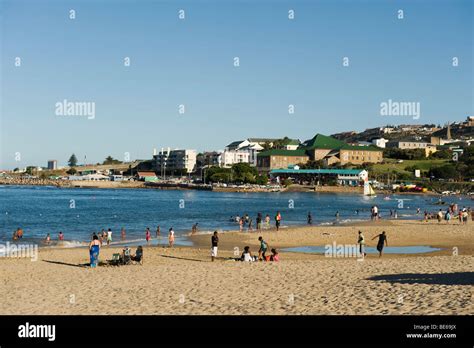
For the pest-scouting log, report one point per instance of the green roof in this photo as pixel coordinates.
(320, 141)
(278, 152)
(361, 148)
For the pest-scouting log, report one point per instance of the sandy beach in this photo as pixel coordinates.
(184, 281)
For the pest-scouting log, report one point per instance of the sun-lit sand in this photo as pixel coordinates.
(184, 281)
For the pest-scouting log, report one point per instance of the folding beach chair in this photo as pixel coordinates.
(115, 260)
(127, 256)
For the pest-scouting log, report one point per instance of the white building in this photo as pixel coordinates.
(230, 157)
(380, 142)
(170, 161)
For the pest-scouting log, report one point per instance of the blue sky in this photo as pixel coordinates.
(190, 62)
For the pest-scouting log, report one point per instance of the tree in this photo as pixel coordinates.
(72, 161)
(71, 171)
(110, 160)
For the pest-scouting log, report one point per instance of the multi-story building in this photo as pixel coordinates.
(52, 165)
(413, 144)
(230, 157)
(280, 159)
(175, 161)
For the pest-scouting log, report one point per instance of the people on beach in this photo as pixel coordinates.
(214, 243)
(241, 224)
(94, 249)
(259, 221)
(440, 216)
(60, 236)
(250, 228)
(47, 240)
(263, 249)
(274, 256)
(171, 237)
(310, 218)
(138, 254)
(15, 235)
(267, 221)
(247, 255)
(194, 228)
(158, 234)
(109, 236)
(337, 215)
(277, 220)
(447, 216)
(19, 233)
(147, 235)
(122, 233)
(103, 236)
(361, 242)
(381, 242)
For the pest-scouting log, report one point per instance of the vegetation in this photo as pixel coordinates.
(71, 171)
(415, 154)
(111, 160)
(238, 173)
(72, 161)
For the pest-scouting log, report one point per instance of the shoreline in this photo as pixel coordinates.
(64, 184)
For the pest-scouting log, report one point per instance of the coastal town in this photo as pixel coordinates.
(403, 158)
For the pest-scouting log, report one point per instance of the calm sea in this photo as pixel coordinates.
(80, 212)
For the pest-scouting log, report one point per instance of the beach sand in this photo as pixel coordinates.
(184, 281)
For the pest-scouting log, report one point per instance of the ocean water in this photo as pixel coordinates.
(78, 212)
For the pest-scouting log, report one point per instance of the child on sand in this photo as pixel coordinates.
(275, 256)
(263, 249)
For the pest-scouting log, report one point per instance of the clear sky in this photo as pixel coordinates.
(191, 62)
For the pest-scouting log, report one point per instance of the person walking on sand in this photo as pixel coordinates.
(94, 249)
(214, 243)
(47, 240)
(381, 243)
(171, 237)
(122, 234)
(361, 242)
(147, 235)
(310, 218)
(263, 249)
(277, 220)
(109, 236)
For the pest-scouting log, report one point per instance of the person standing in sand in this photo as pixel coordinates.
(361, 242)
(47, 240)
(241, 224)
(171, 237)
(214, 243)
(94, 249)
(381, 243)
